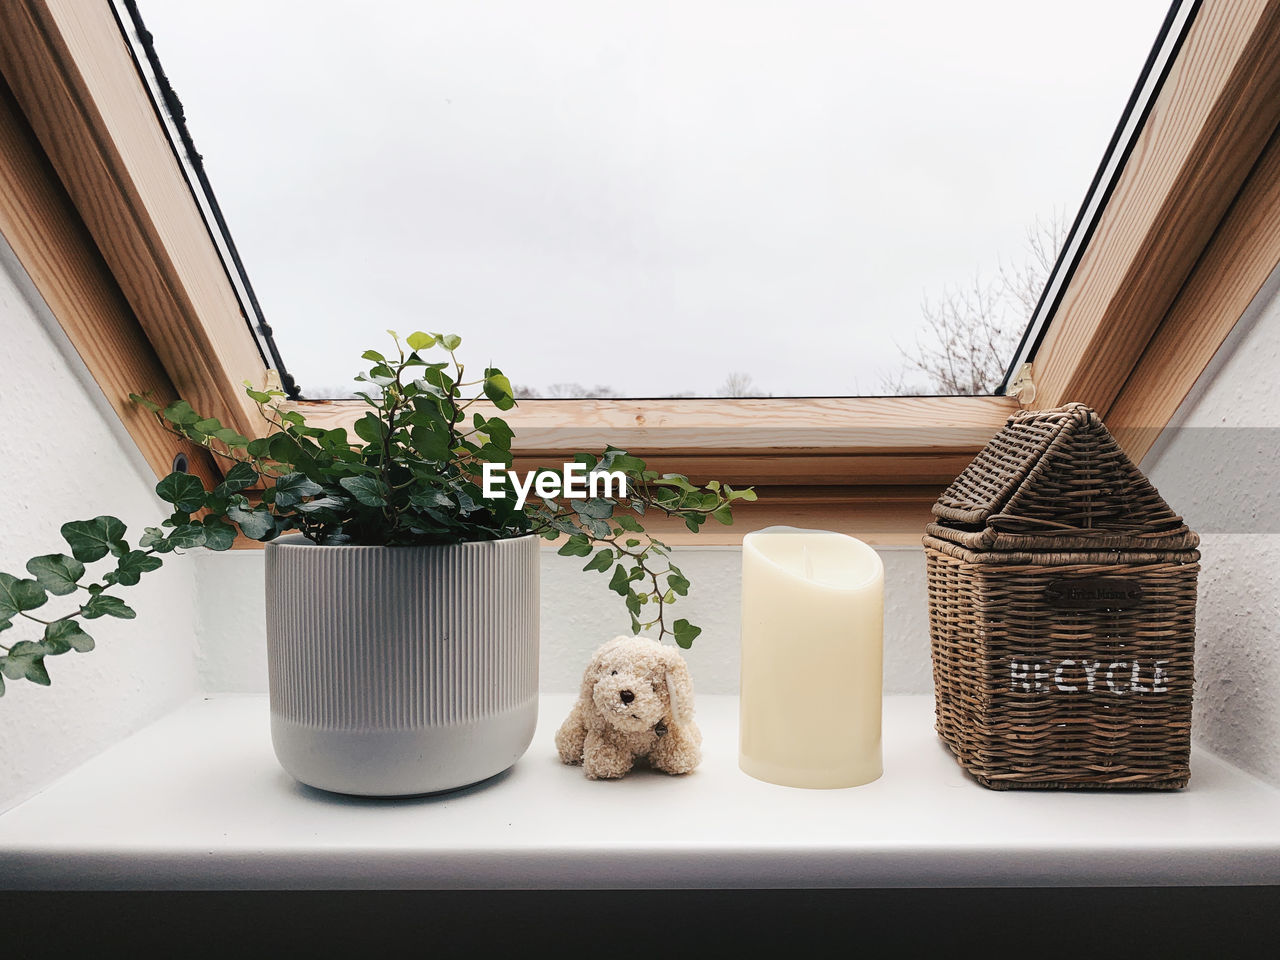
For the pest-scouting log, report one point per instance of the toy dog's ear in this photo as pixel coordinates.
(680, 692)
(589, 675)
(588, 682)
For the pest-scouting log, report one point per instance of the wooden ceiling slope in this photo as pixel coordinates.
(1217, 110)
(50, 241)
(72, 74)
(1237, 262)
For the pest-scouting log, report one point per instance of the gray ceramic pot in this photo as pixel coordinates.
(401, 670)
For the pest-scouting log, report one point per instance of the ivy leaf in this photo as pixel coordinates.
(685, 633)
(620, 582)
(183, 490)
(36, 671)
(677, 481)
(240, 477)
(321, 503)
(26, 662)
(664, 497)
(598, 528)
(449, 341)
(70, 633)
(498, 389)
(19, 595)
(56, 572)
(179, 412)
(417, 341)
(367, 490)
(500, 435)
(153, 538)
(601, 561)
(218, 535)
(431, 441)
(105, 606)
(628, 523)
(633, 603)
(494, 454)
(627, 464)
(131, 567)
(677, 582)
(230, 437)
(292, 488)
(724, 513)
(284, 448)
(576, 546)
(92, 540)
(431, 498)
(595, 507)
(257, 524)
(144, 401)
(466, 502)
(369, 428)
(186, 536)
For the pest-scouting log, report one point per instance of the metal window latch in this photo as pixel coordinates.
(1023, 386)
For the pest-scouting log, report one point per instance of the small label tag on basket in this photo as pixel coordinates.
(1094, 593)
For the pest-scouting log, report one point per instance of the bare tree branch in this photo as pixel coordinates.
(971, 332)
(738, 384)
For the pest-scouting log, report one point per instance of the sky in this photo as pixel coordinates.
(649, 196)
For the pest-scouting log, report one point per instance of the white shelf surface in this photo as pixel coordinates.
(197, 801)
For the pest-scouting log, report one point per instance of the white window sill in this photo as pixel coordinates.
(197, 801)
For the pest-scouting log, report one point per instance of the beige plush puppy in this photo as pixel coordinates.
(636, 702)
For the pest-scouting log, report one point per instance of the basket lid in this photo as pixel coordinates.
(1054, 480)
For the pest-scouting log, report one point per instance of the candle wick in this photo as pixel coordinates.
(808, 563)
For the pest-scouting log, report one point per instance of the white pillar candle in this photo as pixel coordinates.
(812, 658)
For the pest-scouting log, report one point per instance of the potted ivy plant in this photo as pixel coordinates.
(402, 568)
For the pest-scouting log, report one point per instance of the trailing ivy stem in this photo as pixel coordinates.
(389, 429)
(454, 392)
(657, 592)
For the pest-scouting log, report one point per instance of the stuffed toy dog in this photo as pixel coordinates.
(636, 702)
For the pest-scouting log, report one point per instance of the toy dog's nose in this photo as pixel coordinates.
(627, 696)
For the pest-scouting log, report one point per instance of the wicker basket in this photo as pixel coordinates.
(1062, 595)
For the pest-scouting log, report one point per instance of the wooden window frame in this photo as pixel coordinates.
(98, 209)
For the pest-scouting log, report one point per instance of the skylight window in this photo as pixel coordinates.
(709, 198)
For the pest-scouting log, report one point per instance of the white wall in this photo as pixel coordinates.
(1218, 464)
(578, 613)
(67, 457)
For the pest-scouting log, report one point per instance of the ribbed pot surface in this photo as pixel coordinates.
(401, 670)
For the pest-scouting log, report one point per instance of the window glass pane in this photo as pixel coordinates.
(697, 197)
